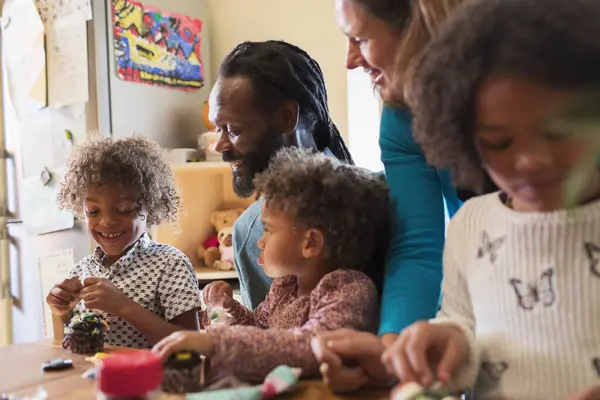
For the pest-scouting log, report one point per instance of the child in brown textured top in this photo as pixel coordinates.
(324, 223)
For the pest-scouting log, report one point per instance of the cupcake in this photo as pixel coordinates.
(182, 373)
(85, 333)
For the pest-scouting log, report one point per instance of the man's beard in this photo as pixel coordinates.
(255, 162)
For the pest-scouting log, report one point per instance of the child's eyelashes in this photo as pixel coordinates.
(495, 145)
(124, 211)
(551, 136)
(557, 135)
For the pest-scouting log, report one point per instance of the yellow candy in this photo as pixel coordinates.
(97, 357)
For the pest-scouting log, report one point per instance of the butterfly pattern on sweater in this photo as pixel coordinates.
(528, 295)
(593, 254)
(489, 247)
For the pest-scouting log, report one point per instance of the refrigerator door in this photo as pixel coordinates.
(21, 316)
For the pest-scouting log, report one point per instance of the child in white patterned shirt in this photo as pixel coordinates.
(145, 290)
(497, 91)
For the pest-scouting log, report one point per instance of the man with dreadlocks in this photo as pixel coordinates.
(268, 95)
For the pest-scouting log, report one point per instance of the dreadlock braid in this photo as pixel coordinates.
(278, 71)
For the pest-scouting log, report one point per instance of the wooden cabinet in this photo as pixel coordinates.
(204, 187)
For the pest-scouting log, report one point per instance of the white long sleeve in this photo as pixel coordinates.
(527, 286)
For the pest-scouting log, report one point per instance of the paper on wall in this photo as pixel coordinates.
(40, 209)
(25, 57)
(51, 10)
(53, 267)
(66, 44)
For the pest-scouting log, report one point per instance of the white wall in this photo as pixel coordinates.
(309, 24)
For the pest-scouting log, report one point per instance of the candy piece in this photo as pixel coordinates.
(409, 391)
(220, 316)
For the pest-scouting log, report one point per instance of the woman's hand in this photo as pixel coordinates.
(350, 360)
(101, 294)
(185, 340)
(590, 393)
(422, 345)
(218, 293)
(64, 296)
(388, 339)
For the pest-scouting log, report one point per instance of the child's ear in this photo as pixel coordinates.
(314, 243)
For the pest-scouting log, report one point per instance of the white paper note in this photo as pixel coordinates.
(40, 209)
(66, 44)
(54, 268)
(51, 10)
(25, 57)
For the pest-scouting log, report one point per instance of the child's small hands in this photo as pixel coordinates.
(185, 340)
(350, 359)
(590, 393)
(424, 344)
(101, 294)
(218, 293)
(64, 296)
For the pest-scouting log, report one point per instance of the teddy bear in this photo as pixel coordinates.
(208, 251)
(225, 236)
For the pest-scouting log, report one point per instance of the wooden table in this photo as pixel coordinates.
(21, 374)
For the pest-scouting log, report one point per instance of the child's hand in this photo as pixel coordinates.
(350, 359)
(185, 340)
(101, 294)
(64, 296)
(590, 393)
(422, 345)
(218, 293)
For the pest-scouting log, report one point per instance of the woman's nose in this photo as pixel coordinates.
(353, 56)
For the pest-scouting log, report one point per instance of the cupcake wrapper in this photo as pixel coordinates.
(182, 380)
(84, 343)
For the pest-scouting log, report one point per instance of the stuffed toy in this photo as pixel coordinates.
(226, 249)
(208, 251)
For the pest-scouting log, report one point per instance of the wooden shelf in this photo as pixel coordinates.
(201, 165)
(211, 274)
(204, 187)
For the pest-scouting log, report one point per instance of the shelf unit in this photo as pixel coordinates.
(204, 187)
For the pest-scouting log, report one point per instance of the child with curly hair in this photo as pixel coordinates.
(323, 221)
(520, 312)
(145, 290)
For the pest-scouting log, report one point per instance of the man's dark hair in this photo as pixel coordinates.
(279, 71)
(553, 42)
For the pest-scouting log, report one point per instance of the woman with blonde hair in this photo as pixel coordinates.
(384, 38)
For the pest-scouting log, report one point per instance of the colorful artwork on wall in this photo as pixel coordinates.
(157, 47)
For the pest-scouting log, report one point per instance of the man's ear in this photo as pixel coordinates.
(314, 243)
(287, 116)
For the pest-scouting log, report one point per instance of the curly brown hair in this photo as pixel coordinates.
(134, 162)
(555, 42)
(348, 204)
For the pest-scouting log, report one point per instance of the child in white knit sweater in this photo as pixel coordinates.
(520, 316)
